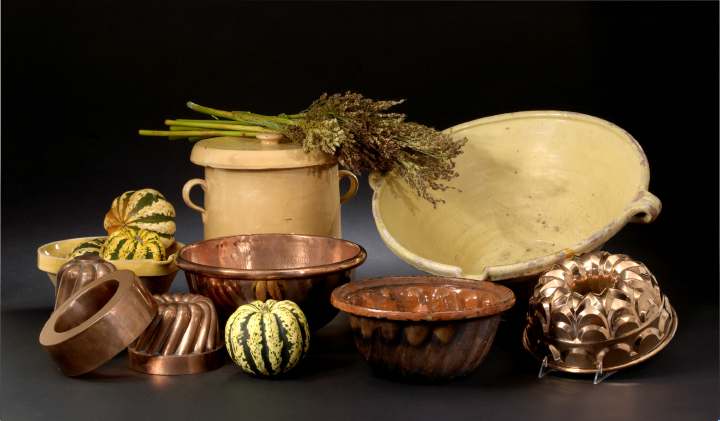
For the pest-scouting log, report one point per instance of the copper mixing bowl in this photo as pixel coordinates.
(423, 327)
(237, 270)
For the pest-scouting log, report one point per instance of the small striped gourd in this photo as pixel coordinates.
(144, 209)
(132, 244)
(87, 247)
(267, 338)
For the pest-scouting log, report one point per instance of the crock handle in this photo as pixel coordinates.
(186, 195)
(645, 207)
(353, 185)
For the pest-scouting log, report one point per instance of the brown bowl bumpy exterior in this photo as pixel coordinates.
(237, 270)
(423, 327)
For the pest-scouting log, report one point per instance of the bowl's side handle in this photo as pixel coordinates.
(644, 208)
(374, 179)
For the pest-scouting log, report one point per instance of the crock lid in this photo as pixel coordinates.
(268, 150)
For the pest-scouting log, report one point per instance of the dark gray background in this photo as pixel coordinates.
(79, 80)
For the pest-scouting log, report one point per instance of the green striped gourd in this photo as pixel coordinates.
(90, 247)
(267, 338)
(132, 244)
(144, 209)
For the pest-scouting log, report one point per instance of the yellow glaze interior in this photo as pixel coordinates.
(536, 187)
(253, 187)
(53, 255)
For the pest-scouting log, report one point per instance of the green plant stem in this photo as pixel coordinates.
(174, 123)
(238, 116)
(210, 121)
(289, 120)
(188, 133)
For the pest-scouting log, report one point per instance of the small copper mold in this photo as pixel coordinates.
(77, 273)
(423, 327)
(237, 270)
(597, 310)
(183, 338)
(97, 322)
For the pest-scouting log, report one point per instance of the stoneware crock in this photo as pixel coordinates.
(535, 187)
(267, 185)
(422, 327)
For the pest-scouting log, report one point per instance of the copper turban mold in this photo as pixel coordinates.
(183, 338)
(597, 308)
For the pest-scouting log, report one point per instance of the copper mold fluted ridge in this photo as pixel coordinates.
(183, 338)
(597, 308)
(97, 322)
(237, 270)
(418, 327)
(77, 273)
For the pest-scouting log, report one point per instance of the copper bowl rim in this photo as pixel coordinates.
(339, 298)
(250, 274)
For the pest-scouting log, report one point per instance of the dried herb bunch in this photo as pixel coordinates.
(354, 130)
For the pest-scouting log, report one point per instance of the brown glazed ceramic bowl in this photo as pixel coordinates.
(237, 270)
(423, 327)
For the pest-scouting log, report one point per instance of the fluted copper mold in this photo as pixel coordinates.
(97, 322)
(183, 338)
(597, 308)
(77, 273)
(423, 327)
(237, 270)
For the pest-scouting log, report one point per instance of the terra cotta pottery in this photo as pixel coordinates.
(266, 185)
(535, 187)
(237, 270)
(423, 327)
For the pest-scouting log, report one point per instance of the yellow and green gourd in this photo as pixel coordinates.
(144, 209)
(267, 338)
(132, 244)
(87, 247)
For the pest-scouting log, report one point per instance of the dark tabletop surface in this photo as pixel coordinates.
(80, 78)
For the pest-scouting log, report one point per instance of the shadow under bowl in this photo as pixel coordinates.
(419, 327)
(237, 270)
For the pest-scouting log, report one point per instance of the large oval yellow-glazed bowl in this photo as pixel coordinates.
(536, 187)
(156, 275)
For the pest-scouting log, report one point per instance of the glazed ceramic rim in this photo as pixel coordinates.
(51, 264)
(250, 274)
(339, 298)
(568, 369)
(645, 203)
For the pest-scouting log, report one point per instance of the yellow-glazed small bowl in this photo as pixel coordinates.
(156, 275)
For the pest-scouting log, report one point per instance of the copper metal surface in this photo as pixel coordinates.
(423, 327)
(98, 322)
(183, 338)
(237, 270)
(597, 308)
(77, 273)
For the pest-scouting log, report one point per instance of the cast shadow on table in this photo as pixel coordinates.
(113, 371)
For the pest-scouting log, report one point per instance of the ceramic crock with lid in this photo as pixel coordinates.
(267, 185)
